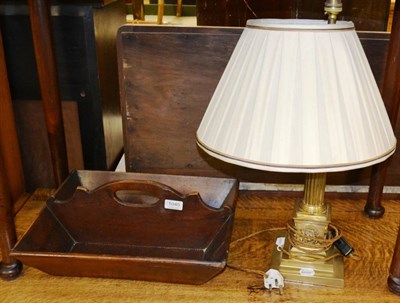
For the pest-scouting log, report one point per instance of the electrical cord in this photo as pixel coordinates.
(314, 246)
(310, 244)
(234, 243)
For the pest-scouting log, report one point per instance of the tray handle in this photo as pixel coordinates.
(141, 193)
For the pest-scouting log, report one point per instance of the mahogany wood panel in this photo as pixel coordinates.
(35, 149)
(365, 280)
(236, 12)
(106, 23)
(165, 92)
(368, 15)
(167, 77)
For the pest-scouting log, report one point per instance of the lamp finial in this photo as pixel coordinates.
(333, 8)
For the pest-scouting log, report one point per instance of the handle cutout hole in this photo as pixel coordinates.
(136, 198)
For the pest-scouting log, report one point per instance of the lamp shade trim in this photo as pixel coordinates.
(298, 24)
(295, 169)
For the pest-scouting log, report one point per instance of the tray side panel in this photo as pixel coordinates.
(45, 235)
(170, 271)
(98, 218)
(215, 192)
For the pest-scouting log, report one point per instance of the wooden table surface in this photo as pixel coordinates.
(365, 280)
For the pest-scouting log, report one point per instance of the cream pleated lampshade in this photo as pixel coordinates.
(297, 96)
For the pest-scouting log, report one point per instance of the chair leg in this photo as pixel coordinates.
(160, 13)
(179, 8)
(373, 208)
(9, 161)
(394, 273)
(39, 12)
(10, 268)
(138, 9)
(390, 93)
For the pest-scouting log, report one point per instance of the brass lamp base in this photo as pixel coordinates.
(330, 273)
(309, 258)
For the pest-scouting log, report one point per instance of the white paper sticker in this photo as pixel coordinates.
(280, 241)
(173, 204)
(307, 272)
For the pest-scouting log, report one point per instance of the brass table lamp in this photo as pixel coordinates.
(298, 96)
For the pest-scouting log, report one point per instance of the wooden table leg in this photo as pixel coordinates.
(10, 169)
(394, 273)
(39, 11)
(9, 267)
(9, 144)
(160, 13)
(137, 9)
(373, 208)
(391, 96)
(179, 8)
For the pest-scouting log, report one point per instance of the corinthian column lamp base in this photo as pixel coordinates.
(325, 273)
(330, 273)
(311, 219)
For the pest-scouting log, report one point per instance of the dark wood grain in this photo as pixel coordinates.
(46, 65)
(106, 23)
(236, 12)
(174, 100)
(367, 15)
(35, 149)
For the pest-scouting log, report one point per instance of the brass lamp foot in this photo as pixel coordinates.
(330, 273)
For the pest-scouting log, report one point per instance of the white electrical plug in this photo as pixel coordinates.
(274, 279)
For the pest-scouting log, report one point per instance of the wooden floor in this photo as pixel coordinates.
(365, 280)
